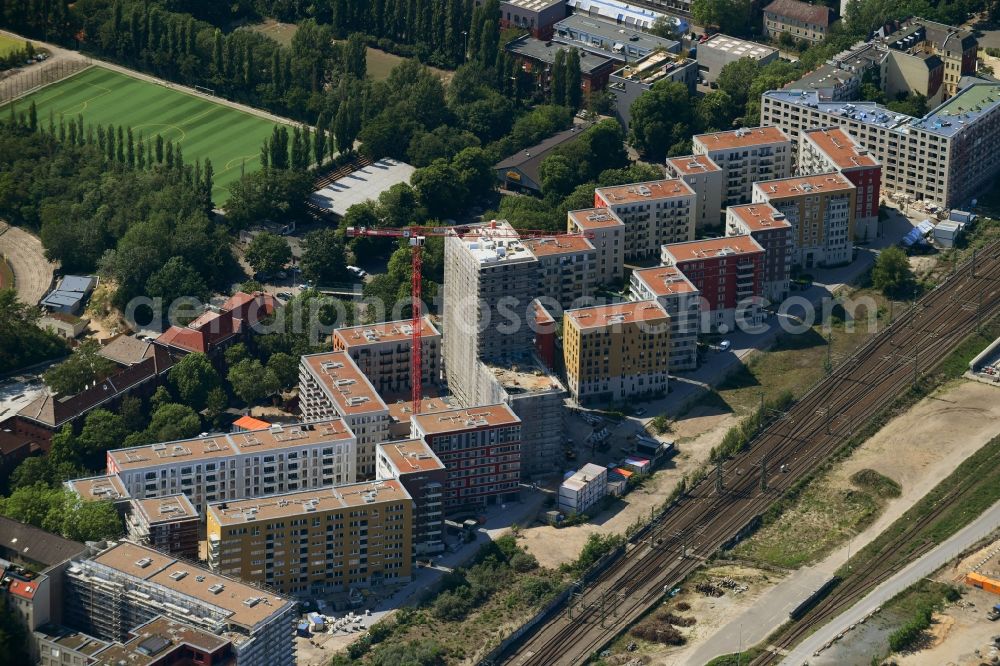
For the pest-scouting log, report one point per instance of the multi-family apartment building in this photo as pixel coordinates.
(682, 301)
(331, 385)
(169, 524)
(947, 157)
(826, 149)
(62, 646)
(382, 352)
(707, 180)
(537, 58)
(236, 465)
(654, 213)
(606, 232)
(605, 38)
(567, 268)
(729, 273)
(821, 210)
(745, 156)
(108, 594)
(768, 226)
(488, 274)
(802, 20)
(318, 541)
(615, 352)
(629, 83)
(955, 48)
(481, 449)
(416, 467)
(105, 487)
(166, 642)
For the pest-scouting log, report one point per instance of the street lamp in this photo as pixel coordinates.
(465, 49)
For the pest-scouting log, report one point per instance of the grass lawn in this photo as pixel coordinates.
(203, 128)
(380, 63)
(9, 45)
(276, 30)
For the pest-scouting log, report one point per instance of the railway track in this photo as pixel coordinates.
(701, 522)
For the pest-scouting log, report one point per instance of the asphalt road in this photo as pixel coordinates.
(921, 568)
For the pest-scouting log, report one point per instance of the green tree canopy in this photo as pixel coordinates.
(82, 368)
(22, 343)
(59, 510)
(268, 253)
(193, 378)
(323, 259)
(175, 280)
(252, 382)
(892, 273)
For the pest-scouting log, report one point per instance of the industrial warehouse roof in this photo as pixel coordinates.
(738, 48)
(626, 14)
(545, 52)
(361, 185)
(612, 32)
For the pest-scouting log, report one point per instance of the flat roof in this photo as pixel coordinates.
(317, 500)
(495, 242)
(275, 437)
(868, 113)
(738, 48)
(713, 247)
(196, 582)
(166, 509)
(629, 15)
(402, 411)
(525, 376)
(386, 331)
(595, 218)
(742, 138)
(359, 186)
(616, 314)
(584, 475)
(693, 164)
(463, 419)
(344, 382)
(665, 280)
(153, 641)
(840, 147)
(965, 108)
(534, 5)
(796, 186)
(612, 32)
(535, 49)
(654, 67)
(410, 456)
(760, 216)
(668, 188)
(95, 488)
(545, 247)
(71, 639)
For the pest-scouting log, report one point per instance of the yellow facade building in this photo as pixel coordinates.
(617, 351)
(319, 541)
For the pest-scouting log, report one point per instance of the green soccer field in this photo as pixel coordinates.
(204, 129)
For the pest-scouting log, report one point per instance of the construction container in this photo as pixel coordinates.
(637, 465)
(983, 582)
(946, 234)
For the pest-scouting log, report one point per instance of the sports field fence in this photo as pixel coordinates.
(38, 76)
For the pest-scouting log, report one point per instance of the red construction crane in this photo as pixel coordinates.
(416, 236)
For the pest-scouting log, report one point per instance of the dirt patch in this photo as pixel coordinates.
(276, 30)
(959, 635)
(32, 271)
(554, 546)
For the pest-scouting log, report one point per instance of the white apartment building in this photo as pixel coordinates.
(584, 489)
(821, 210)
(127, 585)
(231, 466)
(706, 178)
(331, 385)
(606, 233)
(654, 213)
(745, 156)
(382, 352)
(490, 280)
(947, 157)
(682, 301)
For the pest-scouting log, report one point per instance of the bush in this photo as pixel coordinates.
(877, 483)
(452, 606)
(523, 562)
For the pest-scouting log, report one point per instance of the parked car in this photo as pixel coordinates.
(725, 345)
(284, 296)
